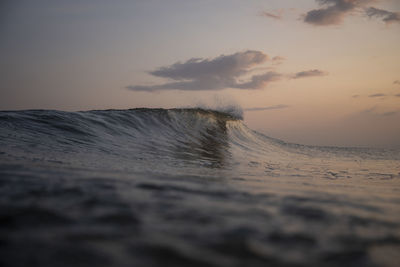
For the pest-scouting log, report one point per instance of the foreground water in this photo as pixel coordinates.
(187, 187)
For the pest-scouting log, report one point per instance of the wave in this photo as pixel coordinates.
(127, 137)
(126, 134)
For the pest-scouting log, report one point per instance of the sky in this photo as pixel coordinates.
(318, 72)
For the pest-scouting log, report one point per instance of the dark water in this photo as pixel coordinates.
(187, 187)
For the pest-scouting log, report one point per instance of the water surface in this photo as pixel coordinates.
(187, 187)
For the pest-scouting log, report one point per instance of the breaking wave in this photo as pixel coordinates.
(173, 134)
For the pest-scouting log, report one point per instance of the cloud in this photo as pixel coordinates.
(309, 73)
(242, 70)
(369, 110)
(387, 16)
(376, 95)
(218, 73)
(267, 108)
(278, 60)
(333, 11)
(375, 111)
(258, 81)
(273, 15)
(389, 113)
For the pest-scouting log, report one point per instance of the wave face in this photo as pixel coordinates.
(186, 187)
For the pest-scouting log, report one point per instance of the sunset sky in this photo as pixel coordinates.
(321, 72)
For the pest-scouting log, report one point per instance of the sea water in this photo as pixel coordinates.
(188, 187)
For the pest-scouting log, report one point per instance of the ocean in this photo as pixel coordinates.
(188, 187)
